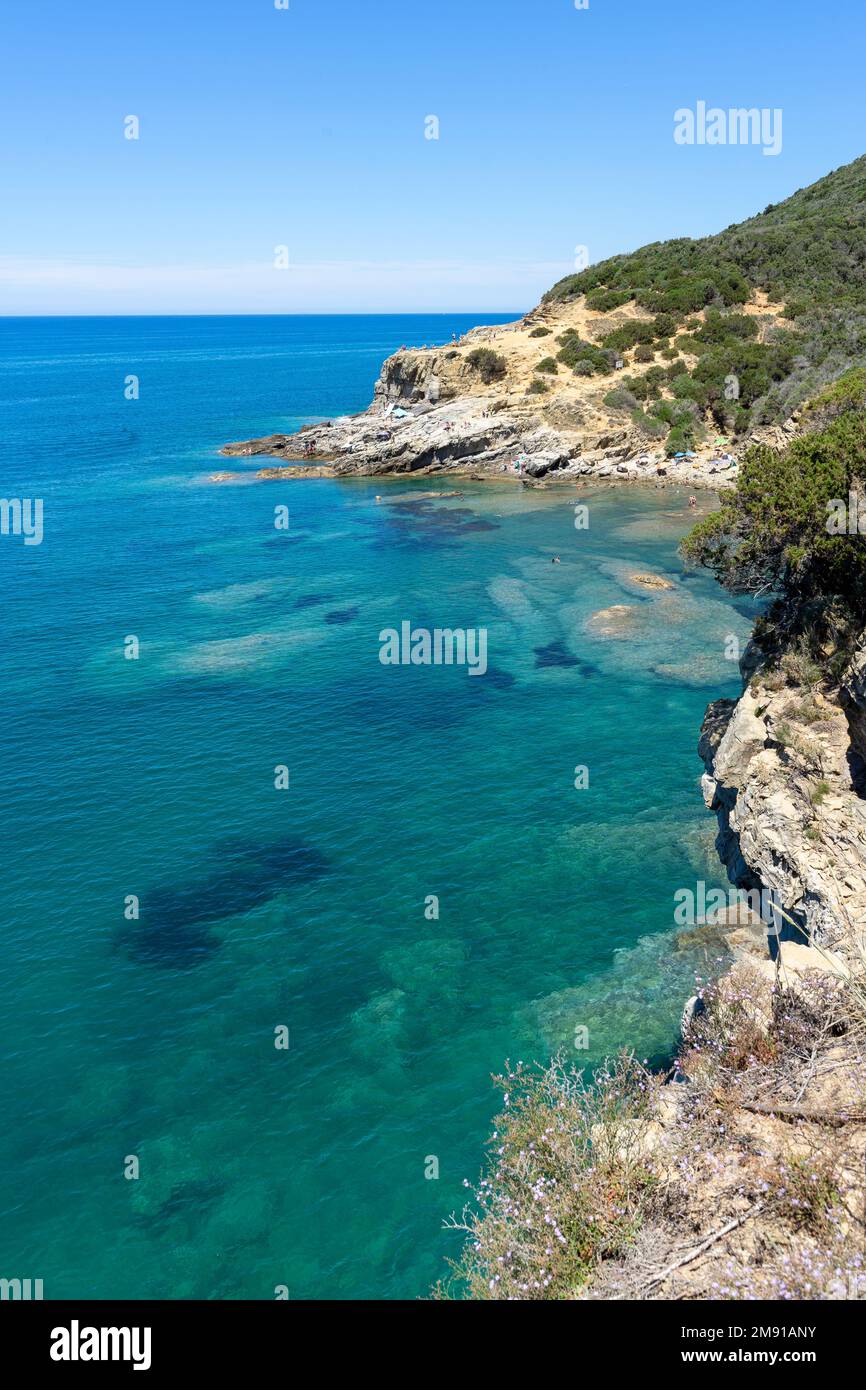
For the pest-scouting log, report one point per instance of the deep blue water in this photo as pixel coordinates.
(305, 908)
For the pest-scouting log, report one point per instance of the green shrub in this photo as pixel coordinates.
(847, 393)
(620, 398)
(818, 792)
(680, 440)
(771, 533)
(540, 333)
(644, 354)
(634, 332)
(547, 364)
(648, 425)
(576, 353)
(684, 388)
(722, 328)
(603, 301)
(640, 388)
(489, 365)
(537, 386)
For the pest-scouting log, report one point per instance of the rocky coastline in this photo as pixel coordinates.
(772, 1101)
(437, 411)
(784, 773)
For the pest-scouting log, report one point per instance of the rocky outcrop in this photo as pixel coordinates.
(449, 408)
(770, 1069)
(784, 776)
(854, 698)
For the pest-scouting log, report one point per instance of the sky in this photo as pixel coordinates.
(283, 163)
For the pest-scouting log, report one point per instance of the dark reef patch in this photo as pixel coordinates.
(424, 523)
(342, 615)
(310, 600)
(494, 678)
(557, 654)
(174, 929)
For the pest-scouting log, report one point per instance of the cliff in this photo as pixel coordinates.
(666, 363)
(739, 1174)
(498, 402)
(759, 1148)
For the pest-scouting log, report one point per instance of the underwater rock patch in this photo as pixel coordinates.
(174, 929)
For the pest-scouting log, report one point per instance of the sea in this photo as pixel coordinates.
(274, 912)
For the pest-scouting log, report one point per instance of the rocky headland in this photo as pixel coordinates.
(497, 404)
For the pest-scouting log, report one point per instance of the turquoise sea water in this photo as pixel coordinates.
(306, 907)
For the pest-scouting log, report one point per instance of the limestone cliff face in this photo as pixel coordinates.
(412, 378)
(784, 773)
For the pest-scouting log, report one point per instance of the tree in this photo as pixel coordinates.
(792, 526)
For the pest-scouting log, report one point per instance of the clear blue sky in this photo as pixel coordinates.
(262, 127)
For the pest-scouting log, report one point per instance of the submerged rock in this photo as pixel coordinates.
(618, 621)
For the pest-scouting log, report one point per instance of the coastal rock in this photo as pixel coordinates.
(479, 405)
(618, 621)
(651, 581)
(854, 692)
(782, 775)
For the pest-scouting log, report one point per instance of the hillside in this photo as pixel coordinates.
(807, 254)
(645, 366)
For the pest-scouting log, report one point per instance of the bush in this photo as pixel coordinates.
(847, 393)
(602, 301)
(680, 440)
(771, 534)
(568, 1182)
(663, 411)
(540, 333)
(489, 365)
(632, 333)
(576, 353)
(620, 398)
(638, 386)
(722, 328)
(648, 425)
(685, 388)
(644, 354)
(547, 364)
(664, 325)
(537, 387)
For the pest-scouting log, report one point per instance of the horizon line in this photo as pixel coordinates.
(311, 314)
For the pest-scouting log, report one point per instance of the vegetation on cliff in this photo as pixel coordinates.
(794, 528)
(746, 1181)
(807, 253)
(730, 1185)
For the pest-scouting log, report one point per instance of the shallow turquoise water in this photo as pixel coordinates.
(306, 907)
